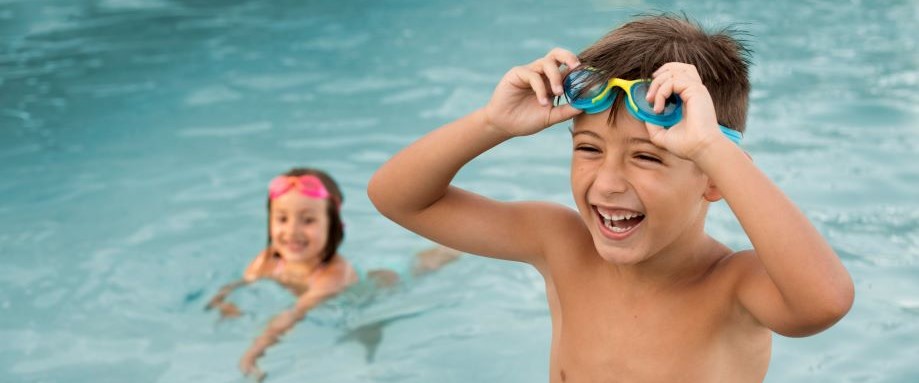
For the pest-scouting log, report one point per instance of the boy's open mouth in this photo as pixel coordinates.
(619, 220)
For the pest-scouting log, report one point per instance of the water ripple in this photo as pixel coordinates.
(227, 131)
(138, 137)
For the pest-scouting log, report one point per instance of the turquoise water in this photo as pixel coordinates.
(137, 138)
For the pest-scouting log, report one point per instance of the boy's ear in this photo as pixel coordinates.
(711, 194)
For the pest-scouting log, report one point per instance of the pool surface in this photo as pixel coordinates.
(137, 139)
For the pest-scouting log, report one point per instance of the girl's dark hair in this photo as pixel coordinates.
(336, 227)
(636, 49)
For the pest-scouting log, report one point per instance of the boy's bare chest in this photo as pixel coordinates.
(662, 336)
(652, 324)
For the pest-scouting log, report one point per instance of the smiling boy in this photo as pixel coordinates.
(637, 291)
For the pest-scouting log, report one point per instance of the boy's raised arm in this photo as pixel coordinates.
(795, 284)
(413, 188)
(801, 287)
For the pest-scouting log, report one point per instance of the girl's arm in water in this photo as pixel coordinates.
(321, 290)
(228, 309)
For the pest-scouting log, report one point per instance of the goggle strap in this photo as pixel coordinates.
(732, 134)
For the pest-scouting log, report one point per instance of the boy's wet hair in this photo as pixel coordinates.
(638, 48)
(336, 227)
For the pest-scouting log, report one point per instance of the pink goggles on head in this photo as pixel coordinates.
(308, 185)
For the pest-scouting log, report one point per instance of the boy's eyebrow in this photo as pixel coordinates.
(632, 140)
(582, 131)
(640, 140)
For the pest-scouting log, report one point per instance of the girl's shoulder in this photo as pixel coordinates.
(338, 274)
(259, 266)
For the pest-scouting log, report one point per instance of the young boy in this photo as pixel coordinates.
(638, 292)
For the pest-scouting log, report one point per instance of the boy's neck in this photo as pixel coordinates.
(685, 260)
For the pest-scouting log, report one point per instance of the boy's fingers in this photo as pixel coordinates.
(554, 76)
(671, 66)
(564, 56)
(652, 90)
(538, 86)
(565, 71)
(660, 97)
(659, 78)
(527, 77)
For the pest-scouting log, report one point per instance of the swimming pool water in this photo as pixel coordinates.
(137, 138)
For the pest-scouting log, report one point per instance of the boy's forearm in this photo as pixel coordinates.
(429, 164)
(800, 262)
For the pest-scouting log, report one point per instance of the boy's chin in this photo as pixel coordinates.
(623, 256)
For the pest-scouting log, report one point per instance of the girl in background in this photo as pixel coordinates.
(304, 232)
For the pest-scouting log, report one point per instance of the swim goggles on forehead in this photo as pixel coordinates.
(308, 185)
(599, 98)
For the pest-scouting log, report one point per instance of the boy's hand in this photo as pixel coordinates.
(522, 102)
(699, 126)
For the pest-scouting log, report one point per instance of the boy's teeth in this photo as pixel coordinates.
(619, 217)
(620, 222)
(609, 225)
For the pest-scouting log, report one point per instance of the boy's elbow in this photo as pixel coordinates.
(382, 198)
(376, 194)
(821, 316)
(838, 304)
(841, 303)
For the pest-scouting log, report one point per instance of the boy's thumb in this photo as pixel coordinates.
(655, 133)
(561, 113)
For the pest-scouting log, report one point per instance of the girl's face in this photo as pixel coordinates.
(299, 226)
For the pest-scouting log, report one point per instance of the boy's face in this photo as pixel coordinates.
(636, 198)
(299, 226)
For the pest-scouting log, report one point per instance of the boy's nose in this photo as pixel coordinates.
(610, 178)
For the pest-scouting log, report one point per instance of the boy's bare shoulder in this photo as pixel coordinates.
(550, 215)
(556, 225)
(733, 267)
(740, 271)
(560, 228)
(740, 264)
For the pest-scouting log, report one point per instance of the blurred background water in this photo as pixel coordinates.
(137, 138)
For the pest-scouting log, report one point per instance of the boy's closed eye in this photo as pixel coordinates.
(586, 148)
(647, 157)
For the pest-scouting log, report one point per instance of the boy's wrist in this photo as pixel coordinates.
(482, 119)
(717, 152)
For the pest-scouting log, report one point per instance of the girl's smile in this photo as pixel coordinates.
(299, 227)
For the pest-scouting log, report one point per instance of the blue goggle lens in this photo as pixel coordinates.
(575, 84)
(639, 94)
